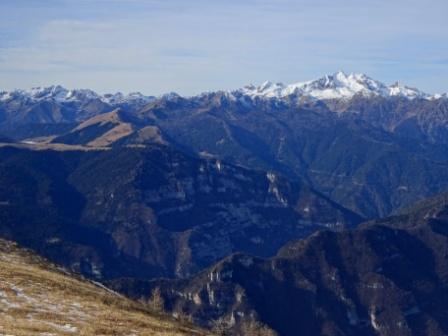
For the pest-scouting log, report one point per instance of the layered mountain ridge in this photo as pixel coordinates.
(400, 133)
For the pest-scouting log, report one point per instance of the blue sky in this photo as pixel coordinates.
(158, 46)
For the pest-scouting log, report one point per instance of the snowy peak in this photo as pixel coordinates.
(55, 91)
(267, 89)
(335, 86)
(119, 98)
(397, 89)
(341, 85)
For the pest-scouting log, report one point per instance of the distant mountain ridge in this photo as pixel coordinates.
(63, 95)
(338, 85)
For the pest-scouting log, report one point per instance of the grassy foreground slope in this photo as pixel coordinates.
(38, 298)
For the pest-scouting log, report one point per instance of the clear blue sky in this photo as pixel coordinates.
(157, 46)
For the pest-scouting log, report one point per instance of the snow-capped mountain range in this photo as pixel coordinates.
(335, 86)
(63, 95)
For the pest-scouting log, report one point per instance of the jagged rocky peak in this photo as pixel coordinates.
(120, 98)
(397, 89)
(55, 91)
(335, 86)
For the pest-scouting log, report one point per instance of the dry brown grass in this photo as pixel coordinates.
(104, 118)
(37, 298)
(52, 146)
(120, 131)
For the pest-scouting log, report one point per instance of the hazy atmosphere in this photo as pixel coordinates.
(192, 46)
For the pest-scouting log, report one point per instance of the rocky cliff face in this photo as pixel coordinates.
(152, 211)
